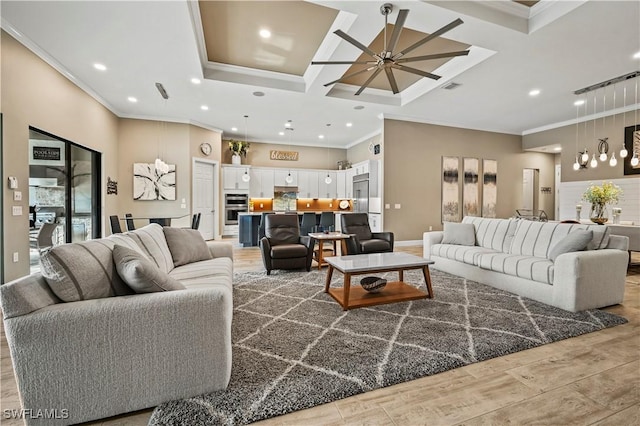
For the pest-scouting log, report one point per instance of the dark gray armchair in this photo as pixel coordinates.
(282, 246)
(362, 240)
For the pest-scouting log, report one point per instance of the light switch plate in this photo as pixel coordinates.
(387, 206)
(17, 210)
(396, 206)
(17, 195)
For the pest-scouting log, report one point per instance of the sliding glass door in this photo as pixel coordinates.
(64, 182)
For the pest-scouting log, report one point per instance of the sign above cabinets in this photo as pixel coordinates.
(283, 155)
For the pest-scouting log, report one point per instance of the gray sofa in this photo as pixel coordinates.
(90, 359)
(514, 255)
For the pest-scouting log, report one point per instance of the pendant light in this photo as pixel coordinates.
(594, 161)
(613, 161)
(246, 177)
(634, 160)
(623, 152)
(576, 165)
(328, 179)
(603, 145)
(289, 178)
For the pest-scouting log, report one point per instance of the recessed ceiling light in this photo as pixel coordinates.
(557, 148)
(195, 80)
(132, 99)
(579, 102)
(281, 133)
(100, 67)
(320, 136)
(265, 33)
(234, 129)
(358, 107)
(534, 92)
(258, 94)
(636, 55)
(349, 124)
(204, 108)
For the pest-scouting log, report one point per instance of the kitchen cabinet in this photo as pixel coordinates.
(308, 184)
(341, 184)
(361, 167)
(350, 173)
(232, 177)
(262, 183)
(327, 190)
(280, 176)
(375, 222)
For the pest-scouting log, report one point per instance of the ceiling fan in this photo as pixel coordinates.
(387, 60)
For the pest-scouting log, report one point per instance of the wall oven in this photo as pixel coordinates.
(234, 204)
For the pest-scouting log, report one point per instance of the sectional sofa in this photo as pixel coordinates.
(85, 347)
(523, 257)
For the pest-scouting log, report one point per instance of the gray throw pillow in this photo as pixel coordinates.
(186, 245)
(140, 274)
(462, 234)
(574, 241)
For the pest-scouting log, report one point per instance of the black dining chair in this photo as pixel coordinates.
(195, 221)
(327, 221)
(308, 223)
(115, 225)
(162, 221)
(129, 221)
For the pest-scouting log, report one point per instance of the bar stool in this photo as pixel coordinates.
(308, 223)
(327, 221)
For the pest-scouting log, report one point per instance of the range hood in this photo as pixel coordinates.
(285, 189)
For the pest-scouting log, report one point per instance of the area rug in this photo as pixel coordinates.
(294, 347)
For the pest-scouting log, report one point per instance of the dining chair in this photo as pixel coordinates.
(43, 241)
(129, 222)
(115, 225)
(162, 221)
(195, 221)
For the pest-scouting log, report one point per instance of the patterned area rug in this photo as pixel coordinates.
(294, 347)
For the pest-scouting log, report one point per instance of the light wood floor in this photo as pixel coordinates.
(588, 380)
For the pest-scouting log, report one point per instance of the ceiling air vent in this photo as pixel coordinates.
(451, 86)
(163, 92)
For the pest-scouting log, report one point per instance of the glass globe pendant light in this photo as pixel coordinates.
(328, 179)
(613, 161)
(594, 161)
(634, 159)
(623, 152)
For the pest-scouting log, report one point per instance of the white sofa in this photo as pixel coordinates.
(89, 359)
(513, 255)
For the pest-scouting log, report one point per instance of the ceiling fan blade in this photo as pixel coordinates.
(392, 80)
(348, 76)
(434, 56)
(397, 29)
(416, 71)
(355, 42)
(369, 80)
(431, 36)
(341, 62)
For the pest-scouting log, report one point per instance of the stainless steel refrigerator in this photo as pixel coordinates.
(361, 193)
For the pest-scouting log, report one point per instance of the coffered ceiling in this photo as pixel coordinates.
(554, 46)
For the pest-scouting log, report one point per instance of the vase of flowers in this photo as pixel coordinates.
(238, 150)
(599, 197)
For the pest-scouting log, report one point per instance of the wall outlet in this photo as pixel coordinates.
(330, 205)
(430, 228)
(183, 206)
(387, 206)
(307, 204)
(17, 196)
(261, 205)
(16, 257)
(17, 210)
(396, 206)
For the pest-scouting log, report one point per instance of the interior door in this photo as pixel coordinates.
(204, 197)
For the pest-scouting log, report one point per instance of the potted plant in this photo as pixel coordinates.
(238, 149)
(599, 197)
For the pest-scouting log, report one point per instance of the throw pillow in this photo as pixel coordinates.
(186, 245)
(574, 241)
(140, 274)
(82, 271)
(462, 234)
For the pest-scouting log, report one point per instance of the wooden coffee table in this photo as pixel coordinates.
(399, 291)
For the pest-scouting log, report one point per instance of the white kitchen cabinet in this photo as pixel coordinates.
(280, 176)
(350, 173)
(232, 177)
(262, 183)
(341, 184)
(327, 190)
(308, 184)
(375, 222)
(361, 167)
